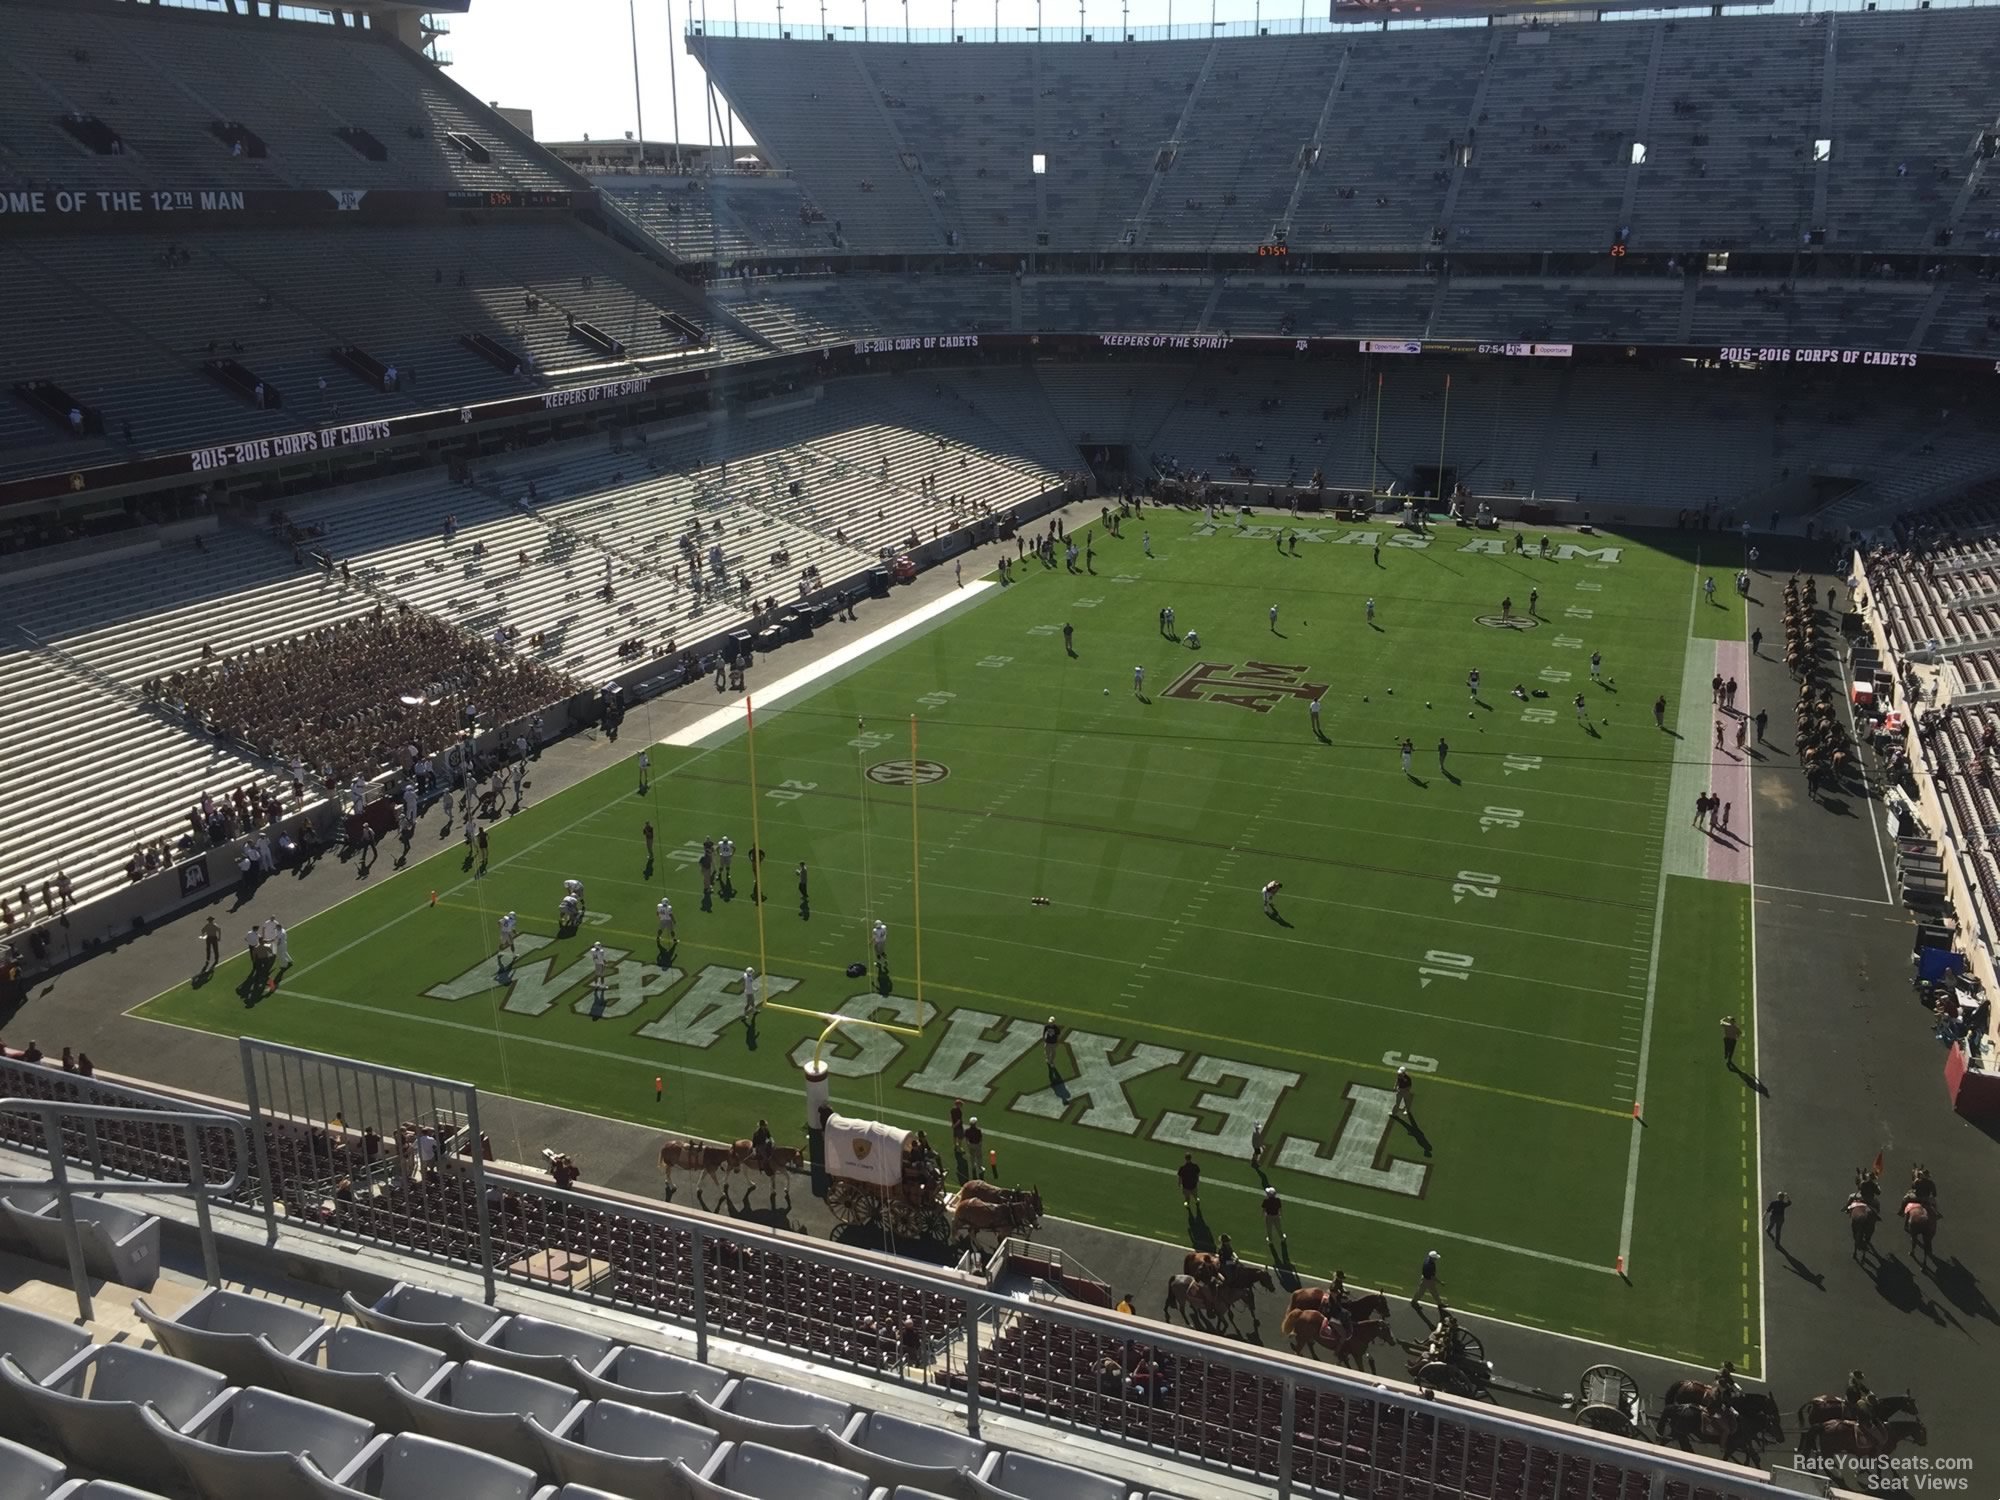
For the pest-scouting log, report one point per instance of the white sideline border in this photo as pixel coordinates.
(731, 715)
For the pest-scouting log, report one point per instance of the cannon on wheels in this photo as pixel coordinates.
(1452, 1359)
(1607, 1400)
(880, 1175)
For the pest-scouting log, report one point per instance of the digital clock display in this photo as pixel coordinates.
(1268, 251)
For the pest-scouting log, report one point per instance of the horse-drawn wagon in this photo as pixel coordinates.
(879, 1174)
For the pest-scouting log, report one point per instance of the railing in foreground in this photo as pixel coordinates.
(338, 1149)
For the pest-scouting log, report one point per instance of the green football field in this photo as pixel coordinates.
(1505, 925)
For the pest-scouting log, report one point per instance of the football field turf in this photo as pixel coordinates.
(1504, 925)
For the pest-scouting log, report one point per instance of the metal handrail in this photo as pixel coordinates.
(52, 1112)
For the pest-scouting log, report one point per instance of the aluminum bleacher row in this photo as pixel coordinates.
(1503, 138)
(840, 1373)
(160, 77)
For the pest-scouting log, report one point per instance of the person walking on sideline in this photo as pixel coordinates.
(1051, 1034)
(1190, 1180)
(1427, 1281)
(1313, 708)
(974, 1139)
(1271, 889)
(1660, 712)
(645, 769)
(211, 944)
(1731, 1034)
(646, 833)
(1774, 1218)
(1402, 1104)
(1256, 1143)
(1274, 1218)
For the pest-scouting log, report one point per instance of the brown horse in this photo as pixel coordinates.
(1823, 1409)
(973, 1217)
(1862, 1217)
(1681, 1420)
(694, 1156)
(1920, 1220)
(1357, 1304)
(1308, 1329)
(1862, 1439)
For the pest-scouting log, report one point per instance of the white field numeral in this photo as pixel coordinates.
(1515, 763)
(1474, 883)
(1500, 817)
(993, 661)
(791, 791)
(1439, 965)
(1538, 716)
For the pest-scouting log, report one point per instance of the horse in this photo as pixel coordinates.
(1862, 1217)
(1849, 1439)
(1240, 1273)
(1920, 1220)
(1829, 1408)
(694, 1156)
(1308, 1329)
(1681, 1420)
(1212, 1301)
(744, 1155)
(980, 1190)
(972, 1217)
(1356, 1304)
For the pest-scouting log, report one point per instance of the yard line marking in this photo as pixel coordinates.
(1653, 983)
(791, 1091)
(1821, 895)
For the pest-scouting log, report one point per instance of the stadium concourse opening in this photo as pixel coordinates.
(1268, 806)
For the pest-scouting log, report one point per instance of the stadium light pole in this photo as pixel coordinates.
(673, 84)
(638, 105)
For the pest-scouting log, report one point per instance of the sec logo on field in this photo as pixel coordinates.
(904, 772)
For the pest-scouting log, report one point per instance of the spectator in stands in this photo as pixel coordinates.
(76, 421)
(84, 1067)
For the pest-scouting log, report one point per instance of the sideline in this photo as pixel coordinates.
(721, 724)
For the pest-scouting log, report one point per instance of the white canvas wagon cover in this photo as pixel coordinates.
(864, 1150)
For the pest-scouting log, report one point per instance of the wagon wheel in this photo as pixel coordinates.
(1465, 1346)
(1608, 1386)
(853, 1202)
(1612, 1419)
(906, 1218)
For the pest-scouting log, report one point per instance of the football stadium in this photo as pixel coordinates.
(1059, 769)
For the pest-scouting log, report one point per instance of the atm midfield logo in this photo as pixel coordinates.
(1256, 685)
